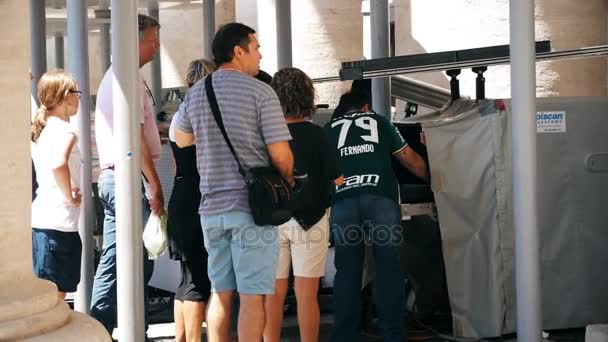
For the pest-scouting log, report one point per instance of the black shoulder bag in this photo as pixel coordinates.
(269, 195)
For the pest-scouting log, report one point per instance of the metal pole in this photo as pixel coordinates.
(523, 140)
(37, 43)
(106, 52)
(157, 80)
(284, 50)
(104, 39)
(381, 87)
(129, 249)
(209, 26)
(59, 50)
(78, 41)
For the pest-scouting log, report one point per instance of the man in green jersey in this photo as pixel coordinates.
(366, 211)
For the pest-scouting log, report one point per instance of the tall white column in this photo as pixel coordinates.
(78, 41)
(268, 33)
(59, 51)
(29, 308)
(523, 140)
(104, 39)
(129, 249)
(381, 87)
(156, 84)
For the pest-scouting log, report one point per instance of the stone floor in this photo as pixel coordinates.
(162, 329)
(163, 332)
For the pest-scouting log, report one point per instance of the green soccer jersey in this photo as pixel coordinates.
(364, 144)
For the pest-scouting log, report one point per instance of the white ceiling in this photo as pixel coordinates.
(56, 13)
(61, 4)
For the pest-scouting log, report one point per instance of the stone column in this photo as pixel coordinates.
(571, 25)
(325, 34)
(460, 24)
(225, 12)
(178, 45)
(29, 308)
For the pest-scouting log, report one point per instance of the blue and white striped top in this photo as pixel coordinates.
(253, 119)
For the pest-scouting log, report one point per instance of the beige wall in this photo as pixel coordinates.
(435, 25)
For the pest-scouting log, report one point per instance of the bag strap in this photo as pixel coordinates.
(215, 109)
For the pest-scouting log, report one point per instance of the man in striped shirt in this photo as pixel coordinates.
(242, 256)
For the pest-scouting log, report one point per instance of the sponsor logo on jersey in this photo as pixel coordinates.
(356, 181)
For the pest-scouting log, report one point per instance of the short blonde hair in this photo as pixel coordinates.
(197, 70)
(53, 87)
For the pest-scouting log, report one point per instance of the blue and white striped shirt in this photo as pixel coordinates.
(253, 119)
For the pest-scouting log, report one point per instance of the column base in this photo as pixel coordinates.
(31, 311)
(79, 327)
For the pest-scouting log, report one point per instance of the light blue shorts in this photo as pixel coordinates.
(242, 255)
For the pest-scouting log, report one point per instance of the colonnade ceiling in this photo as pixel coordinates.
(95, 4)
(56, 12)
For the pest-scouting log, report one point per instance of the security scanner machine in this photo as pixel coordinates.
(469, 154)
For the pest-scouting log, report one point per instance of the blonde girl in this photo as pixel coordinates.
(56, 245)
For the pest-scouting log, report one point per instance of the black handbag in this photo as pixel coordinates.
(270, 196)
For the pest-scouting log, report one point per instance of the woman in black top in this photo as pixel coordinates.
(185, 233)
(304, 239)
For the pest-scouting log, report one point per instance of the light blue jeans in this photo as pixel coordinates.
(242, 255)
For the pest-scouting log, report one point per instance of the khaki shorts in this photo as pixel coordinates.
(305, 250)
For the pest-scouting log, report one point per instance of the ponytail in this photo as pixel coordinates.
(39, 122)
(52, 89)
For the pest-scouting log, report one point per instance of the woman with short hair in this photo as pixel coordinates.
(304, 239)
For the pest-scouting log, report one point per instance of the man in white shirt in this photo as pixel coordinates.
(103, 304)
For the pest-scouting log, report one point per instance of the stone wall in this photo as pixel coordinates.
(435, 25)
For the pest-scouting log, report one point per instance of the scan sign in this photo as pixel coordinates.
(550, 122)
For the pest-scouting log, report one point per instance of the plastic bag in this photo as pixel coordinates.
(155, 235)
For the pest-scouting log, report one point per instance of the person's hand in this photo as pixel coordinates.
(300, 180)
(76, 198)
(156, 201)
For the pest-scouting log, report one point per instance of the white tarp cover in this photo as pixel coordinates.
(470, 160)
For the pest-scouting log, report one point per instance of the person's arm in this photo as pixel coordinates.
(281, 158)
(413, 162)
(276, 135)
(182, 127)
(61, 171)
(156, 199)
(183, 139)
